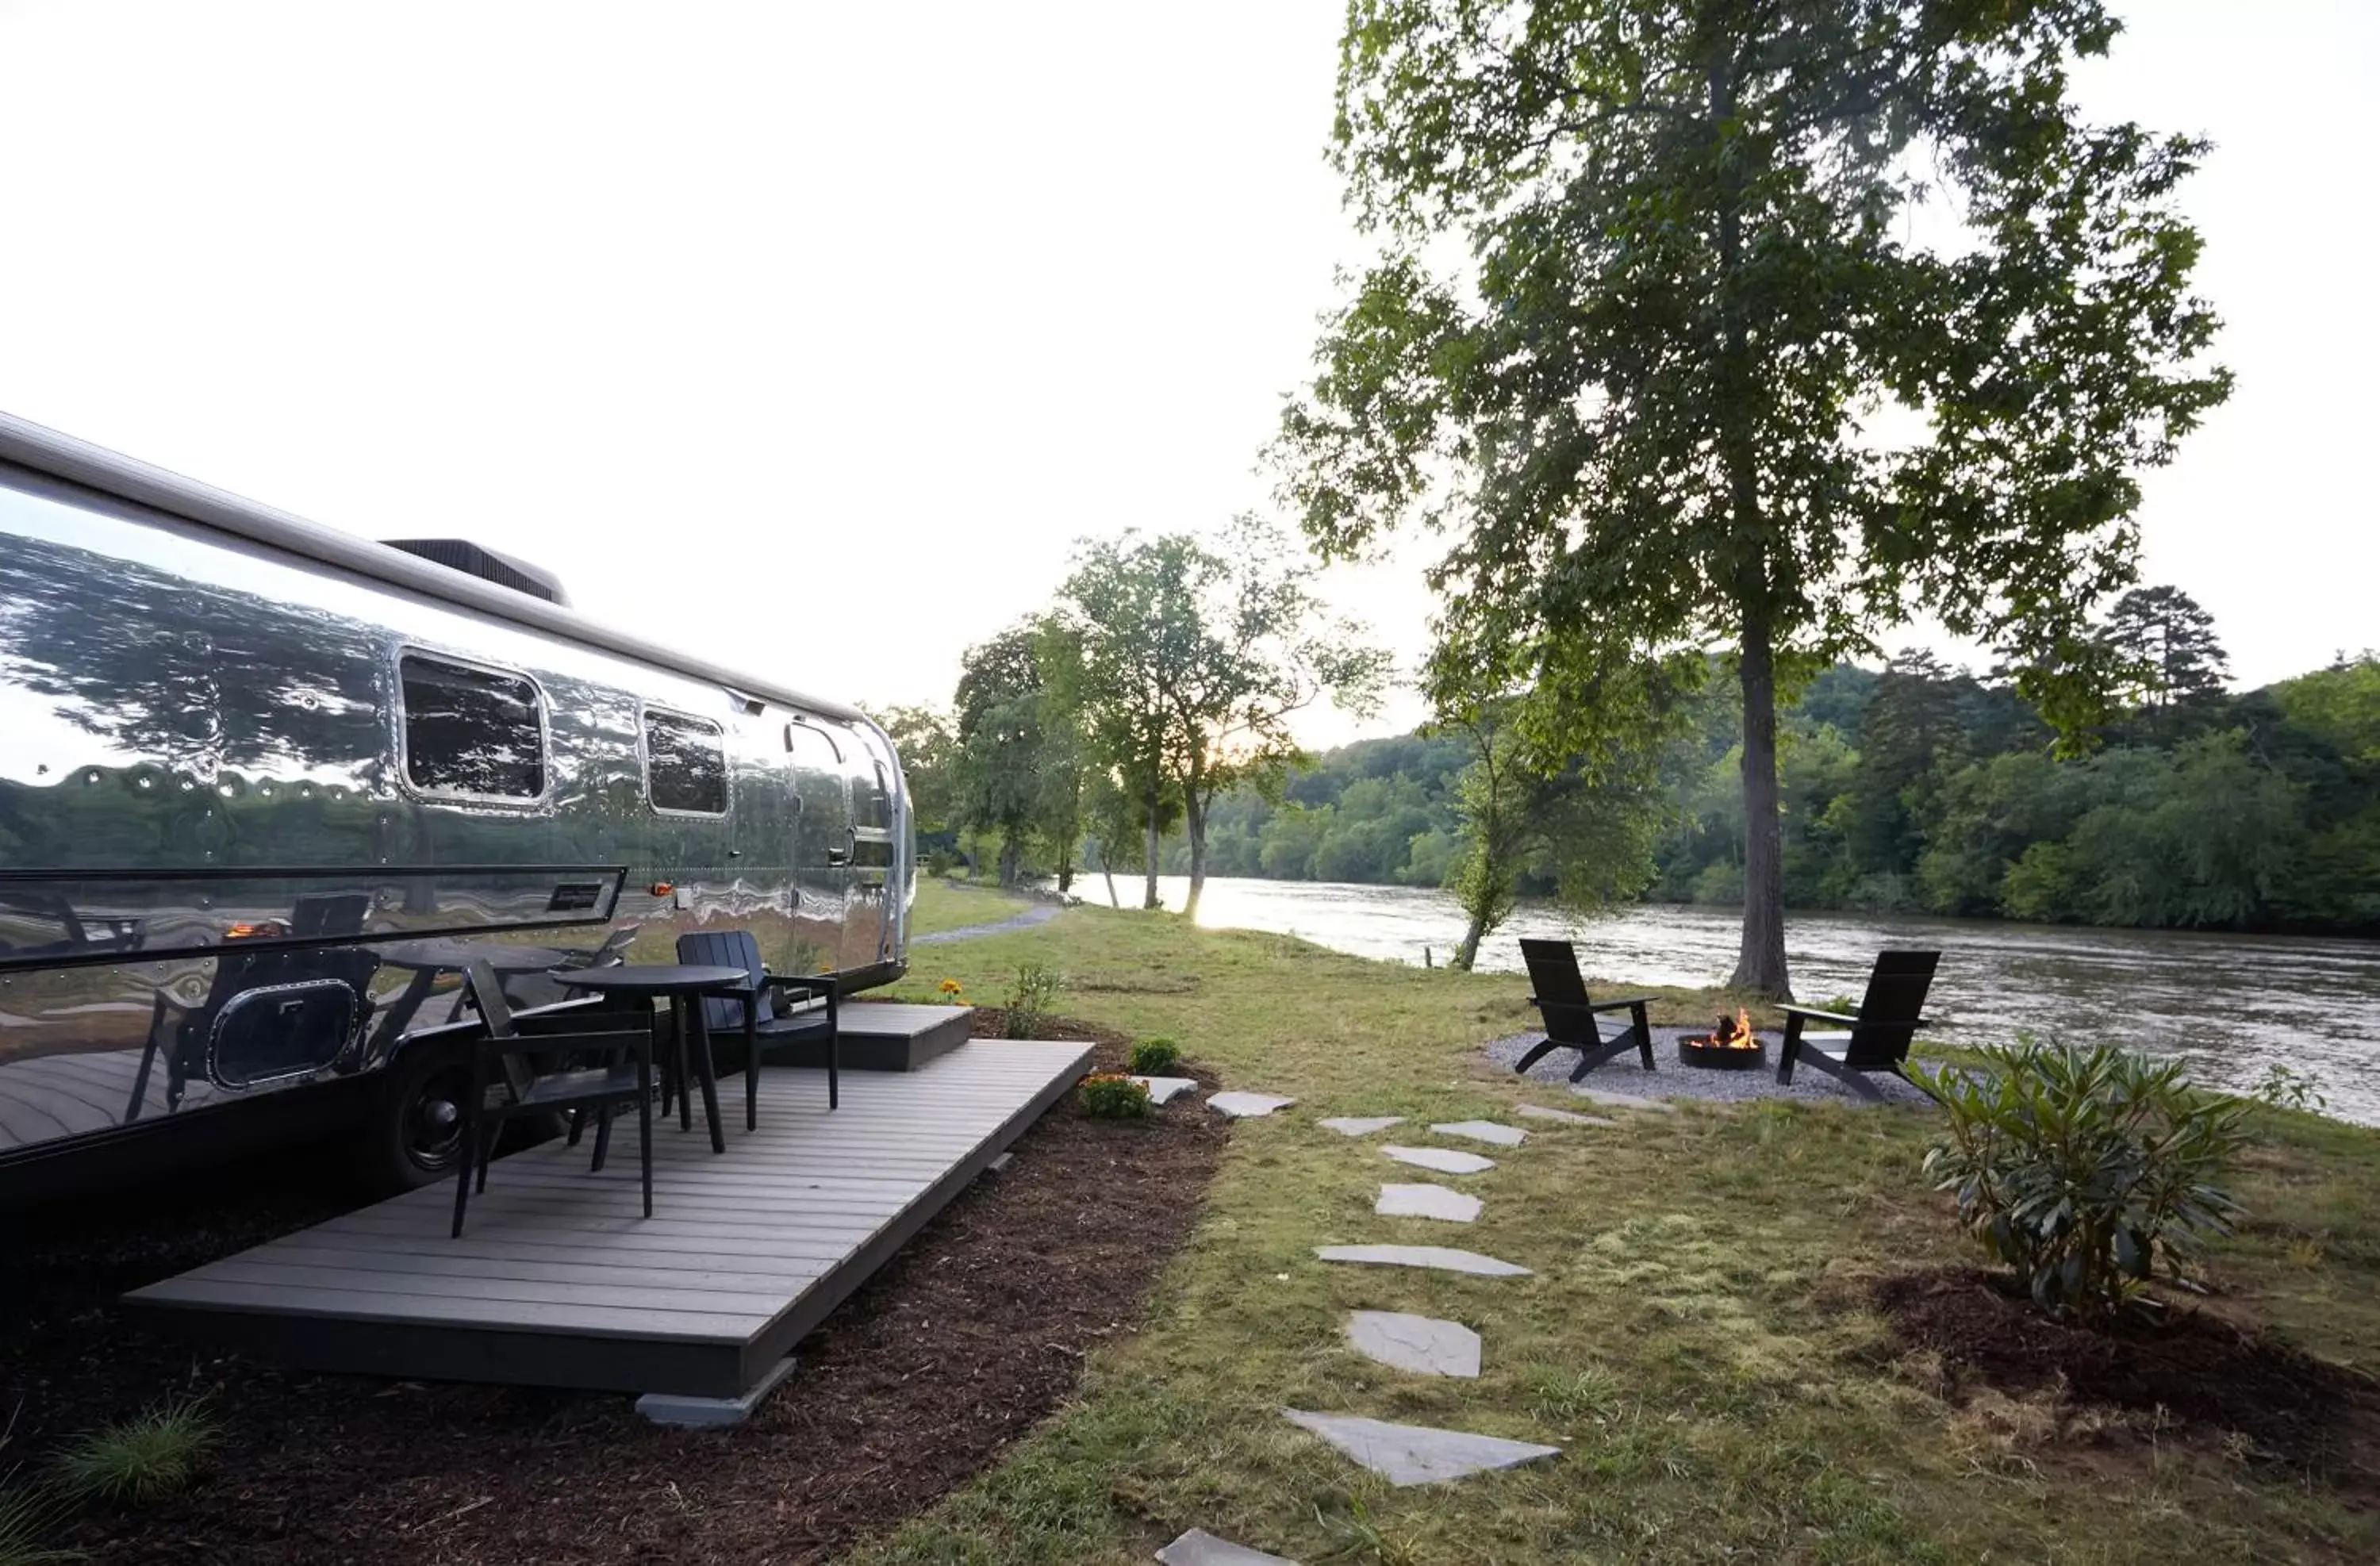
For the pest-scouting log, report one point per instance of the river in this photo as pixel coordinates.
(2231, 1005)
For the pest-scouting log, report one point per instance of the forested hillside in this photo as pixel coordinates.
(1925, 788)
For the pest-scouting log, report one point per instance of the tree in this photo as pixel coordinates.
(1197, 658)
(928, 747)
(1705, 383)
(1017, 763)
(2168, 651)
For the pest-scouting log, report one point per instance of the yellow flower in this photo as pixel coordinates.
(950, 987)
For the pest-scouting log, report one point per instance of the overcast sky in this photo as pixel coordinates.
(809, 337)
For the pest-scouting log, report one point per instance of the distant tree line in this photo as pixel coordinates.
(1918, 788)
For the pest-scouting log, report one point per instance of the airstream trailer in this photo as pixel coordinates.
(264, 787)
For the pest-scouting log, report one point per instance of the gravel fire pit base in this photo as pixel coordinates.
(1675, 1081)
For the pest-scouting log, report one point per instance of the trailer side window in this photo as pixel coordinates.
(475, 732)
(872, 800)
(685, 766)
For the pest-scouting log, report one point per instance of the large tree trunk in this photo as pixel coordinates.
(1009, 853)
(1148, 898)
(1761, 966)
(1107, 869)
(1194, 817)
(1468, 953)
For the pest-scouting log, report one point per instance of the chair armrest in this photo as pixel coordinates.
(1814, 1014)
(1632, 1001)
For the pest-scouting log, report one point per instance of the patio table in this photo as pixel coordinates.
(682, 985)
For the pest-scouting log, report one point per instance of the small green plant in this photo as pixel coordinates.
(2285, 1088)
(2083, 1168)
(1029, 999)
(145, 1458)
(1155, 1057)
(1113, 1096)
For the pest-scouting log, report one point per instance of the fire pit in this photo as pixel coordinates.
(1730, 1045)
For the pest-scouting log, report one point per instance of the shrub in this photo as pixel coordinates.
(145, 1458)
(1112, 1095)
(26, 1516)
(1029, 996)
(1155, 1057)
(2286, 1087)
(2083, 1168)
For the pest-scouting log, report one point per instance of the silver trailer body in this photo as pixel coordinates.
(264, 788)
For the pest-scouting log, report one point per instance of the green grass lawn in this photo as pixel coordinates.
(1695, 1337)
(942, 905)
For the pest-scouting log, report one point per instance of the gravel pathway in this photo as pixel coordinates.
(1674, 1081)
(1039, 914)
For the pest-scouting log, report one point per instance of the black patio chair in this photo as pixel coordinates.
(540, 1071)
(1573, 1018)
(784, 1011)
(1877, 1038)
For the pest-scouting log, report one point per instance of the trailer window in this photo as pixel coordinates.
(685, 766)
(872, 800)
(475, 732)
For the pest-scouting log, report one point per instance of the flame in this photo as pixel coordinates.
(1732, 1033)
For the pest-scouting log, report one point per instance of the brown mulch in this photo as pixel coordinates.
(2195, 1369)
(972, 1333)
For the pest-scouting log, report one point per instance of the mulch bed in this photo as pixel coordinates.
(972, 1333)
(2208, 1375)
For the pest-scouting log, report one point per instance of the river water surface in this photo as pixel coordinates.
(2232, 1004)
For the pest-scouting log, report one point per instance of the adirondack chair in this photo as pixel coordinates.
(1877, 1038)
(1573, 1019)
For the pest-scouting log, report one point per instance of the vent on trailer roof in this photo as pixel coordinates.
(461, 554)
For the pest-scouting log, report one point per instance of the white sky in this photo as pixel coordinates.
(810, 337)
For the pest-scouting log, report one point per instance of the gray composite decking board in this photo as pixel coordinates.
(559, 1279)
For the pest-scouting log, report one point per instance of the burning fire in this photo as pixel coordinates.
(1733, 1032)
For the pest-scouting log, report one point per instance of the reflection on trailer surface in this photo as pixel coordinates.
(262, 785)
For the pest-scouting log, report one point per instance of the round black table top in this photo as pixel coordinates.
(654, 978)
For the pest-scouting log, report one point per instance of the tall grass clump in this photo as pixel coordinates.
(151, 1455)
(2083, 1170)
(1035, 987)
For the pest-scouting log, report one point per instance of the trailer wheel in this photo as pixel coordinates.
(414, 1133)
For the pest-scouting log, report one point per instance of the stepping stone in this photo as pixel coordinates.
(1426, 1201)
(1419, 1343)
(1538, 1112)
(1446, 1160)
(1484, 1131)
(1163, 1090)
(1609, 1100)
(1199, 1547)
(1437, 1259)
(1415, 1454)
(1346, 1125)
(1248, 1106)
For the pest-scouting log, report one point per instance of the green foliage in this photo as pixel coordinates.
(1018, 758)
(1112, 1095)
(2083, 1170)
(2286, 1087)
(1029, 995)
(1154, 1057)
(28, 1516)
(153, 1455)
(1647, 414)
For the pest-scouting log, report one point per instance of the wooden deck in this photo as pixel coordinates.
(558, 1280)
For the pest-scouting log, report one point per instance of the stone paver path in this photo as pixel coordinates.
(1165, 1089)
(1199, 1547)
(1486, 1131)
(1422, 1344)
(1538, 1112)
(1426, 1201)
(1611, 1099)
(1437, 1259)
(1248, 1106)
(1361, 1125)
(1446, 1160)
(1415, 1454)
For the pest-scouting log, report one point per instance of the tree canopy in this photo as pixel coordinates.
(1708, 379)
